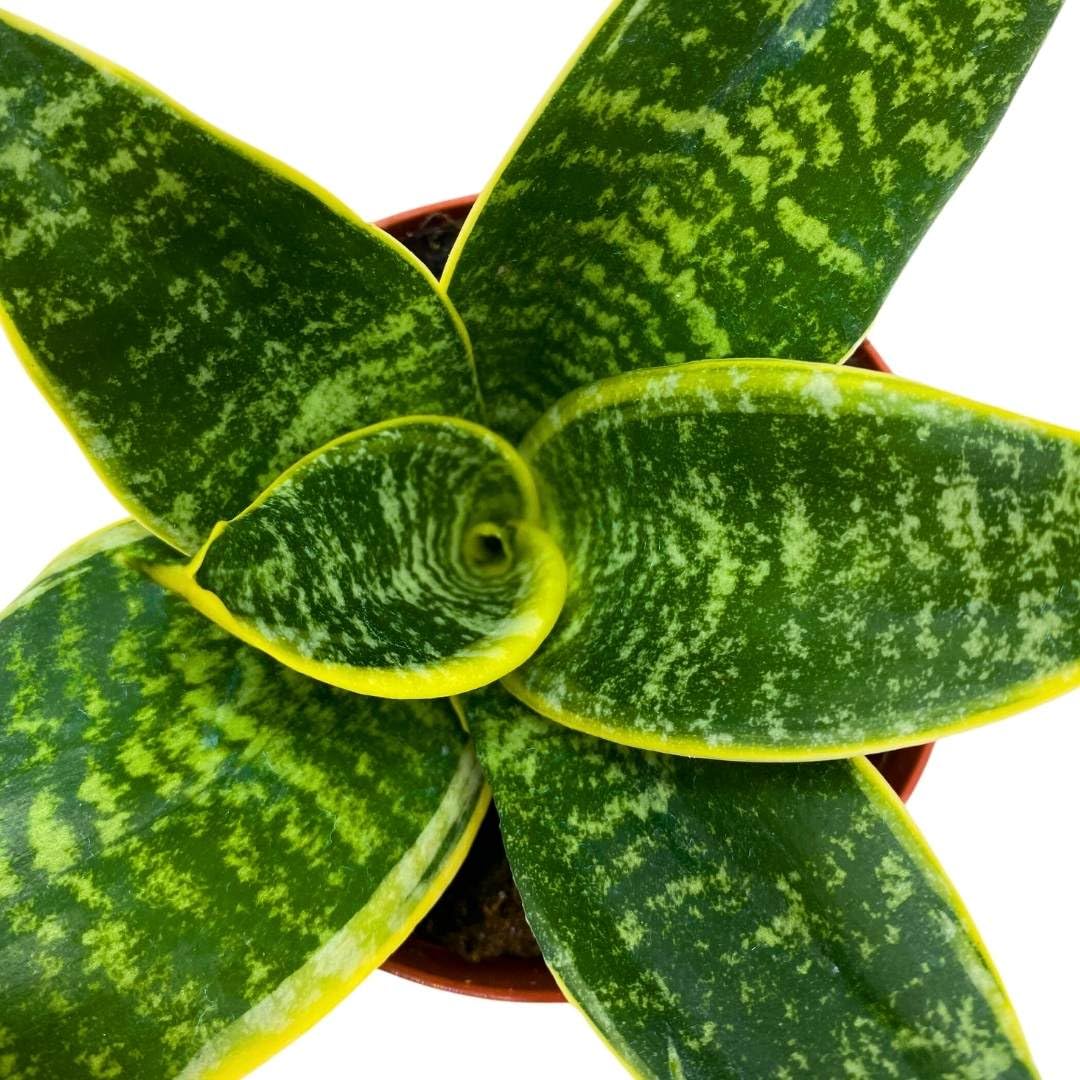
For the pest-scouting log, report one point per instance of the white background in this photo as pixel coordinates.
(393, 105)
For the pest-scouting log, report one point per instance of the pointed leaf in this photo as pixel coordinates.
(201, 851)
(715, 180)
(774, 560)
(199, 315)
(403, 560)
(722, 922)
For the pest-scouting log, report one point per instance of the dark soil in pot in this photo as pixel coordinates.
(475, 940)
(479, 917)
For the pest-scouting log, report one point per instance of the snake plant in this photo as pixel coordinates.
(549, 527)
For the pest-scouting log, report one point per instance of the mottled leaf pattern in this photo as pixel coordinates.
(200, 316)
(736, 179)
(720, 921)
(200, 850)
(780, 560)
(403, 560)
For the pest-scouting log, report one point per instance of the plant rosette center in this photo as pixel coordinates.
(405, 560)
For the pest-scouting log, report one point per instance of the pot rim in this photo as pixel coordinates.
(511, 978)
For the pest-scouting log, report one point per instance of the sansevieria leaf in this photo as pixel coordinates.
(719, 921)
(733, 179)
(200, 316)
(201, 851)
(780, 560)
(404, 560)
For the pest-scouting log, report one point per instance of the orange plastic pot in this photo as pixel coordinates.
(511, 978)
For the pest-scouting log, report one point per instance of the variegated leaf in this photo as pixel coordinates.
(775, 560)
(720, 921)
(737, 179)
(404, 560)
(200, 316)
(201, 851)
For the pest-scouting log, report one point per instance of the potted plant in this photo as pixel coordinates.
(236, 778)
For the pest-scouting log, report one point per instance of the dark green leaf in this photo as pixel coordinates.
(742, 922)
(200, 851)
(776, 560)
(200, 316)
(735, 179)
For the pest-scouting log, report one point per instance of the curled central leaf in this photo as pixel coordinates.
(403, 560)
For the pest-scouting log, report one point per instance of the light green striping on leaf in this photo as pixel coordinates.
(775, 560)
(51, 841)
(201, 851)
(717, 921)
(404, 560)
(737, 179)
(200, 316)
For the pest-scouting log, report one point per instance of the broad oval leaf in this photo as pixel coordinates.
(738, 179)
(719, 921)
(404, 560)
(777, 560)
(200, 316)
(201, 851)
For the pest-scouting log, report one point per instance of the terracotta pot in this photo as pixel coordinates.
(511, 978)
